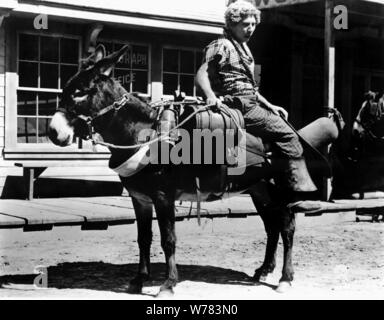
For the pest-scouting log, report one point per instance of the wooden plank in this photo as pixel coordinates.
(29, 181)
(312, 207)
(36, 204)
(362, 203)
(126, 203)
(120, 202)
(10, 221)
(91, 212)
(216, 209)
(234, 205)
(62, 163)
(25, 154)
(35, 215)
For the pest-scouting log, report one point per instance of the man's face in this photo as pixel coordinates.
(243, 31)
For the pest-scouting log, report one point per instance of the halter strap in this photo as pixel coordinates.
(117, 105)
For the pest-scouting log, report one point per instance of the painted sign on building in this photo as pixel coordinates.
(264, 4)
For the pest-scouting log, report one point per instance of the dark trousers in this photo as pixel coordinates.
(270, 127)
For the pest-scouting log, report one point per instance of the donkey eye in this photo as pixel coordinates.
(82, 93)
(79, 93)
(79, 96)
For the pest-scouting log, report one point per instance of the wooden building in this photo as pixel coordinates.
(41, 43)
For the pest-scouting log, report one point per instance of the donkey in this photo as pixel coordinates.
(87, 95)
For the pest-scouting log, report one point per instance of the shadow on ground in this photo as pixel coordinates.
(115, 278)
(14, 188)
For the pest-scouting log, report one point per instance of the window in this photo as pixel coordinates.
(45, 63)
(179, 69)
(133, 70)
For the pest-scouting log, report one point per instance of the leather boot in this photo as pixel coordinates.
(292, 176)
(296, 176)
(299, 182)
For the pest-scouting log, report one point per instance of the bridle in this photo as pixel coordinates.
(89, 120)
(118, 104)
(368, 129)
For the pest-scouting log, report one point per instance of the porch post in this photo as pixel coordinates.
(329, 73)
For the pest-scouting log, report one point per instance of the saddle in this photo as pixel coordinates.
(210, 141)
(214, 136)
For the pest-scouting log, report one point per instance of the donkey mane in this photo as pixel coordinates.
(137, 107)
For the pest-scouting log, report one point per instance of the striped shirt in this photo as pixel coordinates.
(231, 67)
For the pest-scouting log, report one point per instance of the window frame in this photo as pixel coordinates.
(18, 151)
(133, 43)
(38, 89)
(14, 150)
(179, 48)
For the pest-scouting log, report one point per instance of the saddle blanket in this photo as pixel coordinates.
(135, 163)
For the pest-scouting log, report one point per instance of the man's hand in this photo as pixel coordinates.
(203, 84)
(279, 111)
(214, 102)
(275, 109)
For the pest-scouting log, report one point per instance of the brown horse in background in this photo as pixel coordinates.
(359, 159)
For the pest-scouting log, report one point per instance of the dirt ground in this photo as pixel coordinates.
(334, 258)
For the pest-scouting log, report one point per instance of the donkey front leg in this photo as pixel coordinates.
(287, 233)
(272, 229)
(143, 212)
(165, 211)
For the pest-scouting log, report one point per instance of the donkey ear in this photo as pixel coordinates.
(106, 65)
(96, 56)
(100, 53)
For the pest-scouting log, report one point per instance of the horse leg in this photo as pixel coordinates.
(165, 210)
(272, 230)
(143, 212)
(287, 233)
(261, 196)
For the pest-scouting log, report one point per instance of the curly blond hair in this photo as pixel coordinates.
(238, 10)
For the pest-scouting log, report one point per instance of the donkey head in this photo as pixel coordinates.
(89, 91)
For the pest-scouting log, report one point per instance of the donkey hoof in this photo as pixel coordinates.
(260, 276)
(134, 288)
(165, 293)
(283, 286)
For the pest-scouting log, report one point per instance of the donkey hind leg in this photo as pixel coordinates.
(272, 229)
(287, 233)
(165, 211)
(143, 212)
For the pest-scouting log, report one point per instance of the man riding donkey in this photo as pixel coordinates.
(228, 70)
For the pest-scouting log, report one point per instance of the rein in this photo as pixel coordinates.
(118, 104)
(164, 136)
